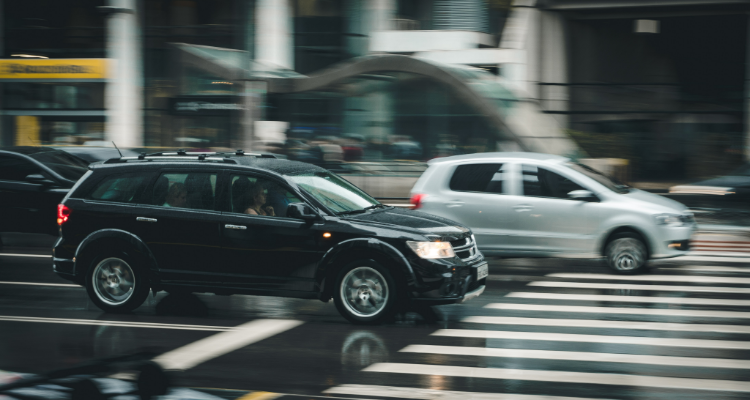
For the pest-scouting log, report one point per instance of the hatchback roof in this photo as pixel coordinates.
(518, 154)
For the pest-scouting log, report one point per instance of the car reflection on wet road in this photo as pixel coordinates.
(559, 328)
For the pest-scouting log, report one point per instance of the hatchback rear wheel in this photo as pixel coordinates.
(627, 254)
(116, 284)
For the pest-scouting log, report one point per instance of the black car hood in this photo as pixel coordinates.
(414, 221)
(726, 181)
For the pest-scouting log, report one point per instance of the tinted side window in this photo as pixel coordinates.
(16, 168)
(259, 196)
(540, 182)
(196, 190)
(478, 178)
(121, 188)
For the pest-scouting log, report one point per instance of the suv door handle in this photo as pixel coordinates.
(240, 227)
(454, 203)
(144, 219)
(523, 207)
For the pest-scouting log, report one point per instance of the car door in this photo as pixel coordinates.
(479, 195)
(263, 249)
(548, 221)
(179, 222)
(29, 194)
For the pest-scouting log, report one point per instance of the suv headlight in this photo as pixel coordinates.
(432, 249)
(673, 219)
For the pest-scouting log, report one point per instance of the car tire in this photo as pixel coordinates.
(116, 284)
(365, 292)
(627, 254)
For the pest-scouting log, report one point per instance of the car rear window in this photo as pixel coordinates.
(118, 188)
(487, 178)
(68, 166)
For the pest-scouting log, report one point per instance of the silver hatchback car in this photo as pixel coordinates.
(540, 205)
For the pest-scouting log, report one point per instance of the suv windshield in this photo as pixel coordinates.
(334, 192)
(610, 183)
(67, 166)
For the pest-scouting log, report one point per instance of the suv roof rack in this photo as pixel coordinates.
(183, 155)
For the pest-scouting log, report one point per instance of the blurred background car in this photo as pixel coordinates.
(728, 191)
(96, 153)
(33, 181)
(541, 205)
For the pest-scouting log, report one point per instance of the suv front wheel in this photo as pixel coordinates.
(365, 292)
(626, 254)
(115, 284)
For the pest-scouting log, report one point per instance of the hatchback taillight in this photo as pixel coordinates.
(416, 200)
(63, 213)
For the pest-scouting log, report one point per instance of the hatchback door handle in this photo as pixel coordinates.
(523, 207)
(240, 227)
(454, 203)
(144, 219)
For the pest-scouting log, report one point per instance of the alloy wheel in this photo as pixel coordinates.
(364, 292)
(114, 281)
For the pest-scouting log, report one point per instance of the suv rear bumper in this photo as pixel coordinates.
(64, 268)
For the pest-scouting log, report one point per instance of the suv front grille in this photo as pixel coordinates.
(465, 249)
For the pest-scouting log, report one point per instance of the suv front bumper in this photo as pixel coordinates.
(457, 286)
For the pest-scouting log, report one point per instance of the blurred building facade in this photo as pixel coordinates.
(658, 82)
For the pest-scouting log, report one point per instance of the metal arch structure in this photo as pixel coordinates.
(398, 63)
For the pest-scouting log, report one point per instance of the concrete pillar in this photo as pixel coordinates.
(554, 65)
(124, 91)
(274, 44)
(747, 94)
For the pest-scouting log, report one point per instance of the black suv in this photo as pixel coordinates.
(253, 224)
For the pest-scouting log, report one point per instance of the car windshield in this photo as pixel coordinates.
(608, 182)
(334, 192)
(66, 165)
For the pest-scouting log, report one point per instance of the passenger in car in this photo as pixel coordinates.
(176, 196)
(256, 195)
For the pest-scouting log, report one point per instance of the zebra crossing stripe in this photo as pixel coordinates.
(620, 310)
(593, 323)
(655, 278)
(708, 268)
(563, 377)
(716, 258)
(434, 394)
(625, 286)
(629, 299)
(579, 356)
(568, 337)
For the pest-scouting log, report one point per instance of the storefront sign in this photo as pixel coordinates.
(205, 105)
(80, 68)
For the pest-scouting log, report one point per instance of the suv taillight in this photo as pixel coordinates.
(416, 200)
(63, 213)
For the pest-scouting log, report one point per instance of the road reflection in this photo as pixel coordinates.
(362, 348)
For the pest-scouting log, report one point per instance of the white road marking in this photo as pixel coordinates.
(579, 356)
(564, 377)
(41, 284)
(567, 337)
(630, 299)
(620, 310)
(656, 278)
(434, 394)
(123, 324)
(595, 323)
(707, 268)
(626, 286)
(214, 346)
(715, 258)
(24, 255)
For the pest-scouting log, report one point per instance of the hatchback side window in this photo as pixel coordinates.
(487, 178)
(118, 188)
(195, 190)
(258, 196)
(541, 182)
(16, 168)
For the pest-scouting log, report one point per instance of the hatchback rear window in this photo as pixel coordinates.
(118, 188)
(487, 178)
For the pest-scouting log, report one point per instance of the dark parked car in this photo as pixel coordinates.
(33, 181)
(245, 224)
(729, 191)
(97, 153)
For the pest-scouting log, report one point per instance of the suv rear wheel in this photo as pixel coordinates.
(626, 254)
(365, 292)
(115, 284)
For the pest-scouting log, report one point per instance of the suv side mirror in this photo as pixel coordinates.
(582, 195)
(301, 211)
(38, 178)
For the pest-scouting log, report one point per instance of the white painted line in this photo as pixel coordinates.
(41, 284)
(594, 323)
(567, 337)
(708, 268)
(630, 299)
(564, 377)
(712, 259)
(579, 356)
(434, 394)
(655, 278)
(214, 346)
(658, 288)
(123, 324)
(620, 310)
(25, 255)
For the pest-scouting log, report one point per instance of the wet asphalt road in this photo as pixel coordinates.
(562, 328)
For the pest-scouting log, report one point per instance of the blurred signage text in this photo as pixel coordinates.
(82, 68)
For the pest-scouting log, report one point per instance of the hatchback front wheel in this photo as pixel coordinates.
(627, 254)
